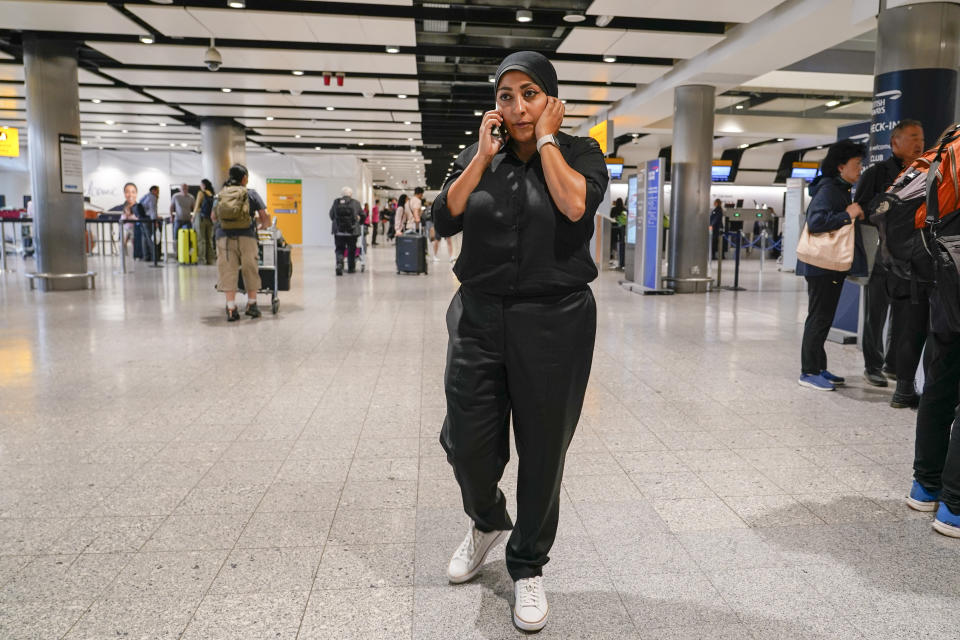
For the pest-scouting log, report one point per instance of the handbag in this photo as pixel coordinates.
(830, 250)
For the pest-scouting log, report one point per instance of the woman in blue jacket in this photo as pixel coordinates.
(831, 208)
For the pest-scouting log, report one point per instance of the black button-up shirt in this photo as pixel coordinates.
(515, 239)
(875, 180)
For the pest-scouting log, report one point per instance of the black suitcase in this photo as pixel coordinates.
(412, 253)
(284, 268)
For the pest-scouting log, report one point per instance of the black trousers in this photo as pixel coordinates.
(876, 308)
(374, 239)
(715, 236)
(348, 244)
(912, 319)
(528, 358)
(936, 463)
(823, 295)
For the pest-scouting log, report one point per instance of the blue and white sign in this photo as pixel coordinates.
(652, 223)
(909, 94)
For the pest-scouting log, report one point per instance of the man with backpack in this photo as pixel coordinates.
(202, 215)
(347, 217)
(906, 144)
(236, 213)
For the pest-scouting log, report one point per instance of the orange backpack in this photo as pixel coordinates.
(944, 193)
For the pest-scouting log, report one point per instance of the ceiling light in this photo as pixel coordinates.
(491, 79)
(108, 122)
(820, 146)
(226, 90)
(329, 108)
(635, 135)
(383, 168)
(146, 148)
(744, 145)
(146, 39)
(237, 4)
(297, 72)
(163, 124)
(833, 103)
(348, 129)
(454, 155)
(124, 131)
(401, 95)
(392, 49)
(410, 139)
(609, 58)
(183, 144)
(83, 142)
(468, 132)
(316, 148)
(463, 146)
(360, 144)
(173, 144)
(269, 118)
(297, 136)
(406, 122)
(524, 15)
(477, 112)
(739, 106)
(97, 101)
(603, 21)
(779, 139)
(573, 16)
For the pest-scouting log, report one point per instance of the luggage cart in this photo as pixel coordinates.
(267, 239)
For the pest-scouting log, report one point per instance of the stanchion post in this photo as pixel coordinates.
(3, 246)
(763, 247)
(736, 257)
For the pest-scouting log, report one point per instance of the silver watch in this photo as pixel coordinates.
(547, 139)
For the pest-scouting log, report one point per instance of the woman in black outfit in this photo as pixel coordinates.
(831, 208)
(522, 326)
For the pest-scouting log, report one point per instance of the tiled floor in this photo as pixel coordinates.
(166, 475)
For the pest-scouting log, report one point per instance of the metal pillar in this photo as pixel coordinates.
(915, 71)
(691, 158)
(53, 112)
(224, 144)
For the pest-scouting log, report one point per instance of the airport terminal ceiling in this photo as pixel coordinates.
(399, 83)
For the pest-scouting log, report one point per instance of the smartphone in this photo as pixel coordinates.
(496, 132)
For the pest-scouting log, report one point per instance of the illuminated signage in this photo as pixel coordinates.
(603, 133)
(9, 142)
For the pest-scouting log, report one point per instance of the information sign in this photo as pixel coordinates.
(652, 224)
(71, 164)
(285, 201)
(9, 142)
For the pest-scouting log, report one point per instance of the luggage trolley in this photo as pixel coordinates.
(267, 239)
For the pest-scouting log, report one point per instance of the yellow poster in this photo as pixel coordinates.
(285, 201)
(599, 133)
(9, 142)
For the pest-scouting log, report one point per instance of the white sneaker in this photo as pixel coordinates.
(530, 607)
(469, 557)
(436, 259)
(453, 258)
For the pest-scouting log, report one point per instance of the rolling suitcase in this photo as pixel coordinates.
(284, 268)
(412, 253)
(187, 246)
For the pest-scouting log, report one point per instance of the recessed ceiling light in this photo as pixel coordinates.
(360, 144)
(124, 131)
(145, 39)
(329, 108)
(348, 129)
(173, 144)
(833, 103)
(477, 112)
(226, 90)
(108, 122)
(163, 124)
(146, 148)
(316, 148)
(297, 136)
(402, 96)
(491, 79)
(609, 58)
(744, 146)
(573, 16)
(779, 139)
(269, 118)
(83, 142)
(410, 139)
(820, 146)
(237, 4)
(524, 15)
(392, 49)
(635, 135)
(406, 122)
(739, 106)
(454, 155)
(297, 72)
(183, 144)
(383, 168)
(97, 101)
(463, 146)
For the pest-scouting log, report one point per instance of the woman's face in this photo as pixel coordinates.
(130, 194)
(520, 101)
(850, 170)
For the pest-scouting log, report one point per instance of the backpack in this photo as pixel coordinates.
(233, 208)
(908, 235)
(344, 216)
(206, 207)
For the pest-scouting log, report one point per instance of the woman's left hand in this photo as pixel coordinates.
(551, 118)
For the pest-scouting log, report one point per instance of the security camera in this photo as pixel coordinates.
(212, 58)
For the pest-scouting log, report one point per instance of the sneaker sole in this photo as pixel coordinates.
(919, 505)
(946, 529)
(814, 387)
(472, 574)
(523, 625)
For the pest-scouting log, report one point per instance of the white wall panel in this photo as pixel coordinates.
(712, 10)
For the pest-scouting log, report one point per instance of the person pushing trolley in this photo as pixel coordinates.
(522, 325)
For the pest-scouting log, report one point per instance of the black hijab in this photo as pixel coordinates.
(534, 65)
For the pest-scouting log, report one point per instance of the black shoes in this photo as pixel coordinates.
(339, 269)
(905, 396)
(233, 314)
(875, 377)
(253, 311)
(890, 373)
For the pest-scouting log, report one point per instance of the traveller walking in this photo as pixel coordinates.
(148, 230)
(374, 222)
(618, 216)
(203, 212)
(347, 216)
(181, 209)
(906, 144)
(523, 323)
(236, 214)
(830, 209)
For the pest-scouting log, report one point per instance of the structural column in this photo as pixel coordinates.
(915, 71)
(691, 158)
(56, 181)
(224, 144)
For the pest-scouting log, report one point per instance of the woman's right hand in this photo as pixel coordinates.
(855, 211)
(489, 146)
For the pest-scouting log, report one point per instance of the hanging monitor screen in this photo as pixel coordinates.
(720, 171)
(615, 167)
(805, 170)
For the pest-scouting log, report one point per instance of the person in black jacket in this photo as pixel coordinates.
(716, 230)
(906, 145)
(522, 326)
(830, 209)
(347, 217)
